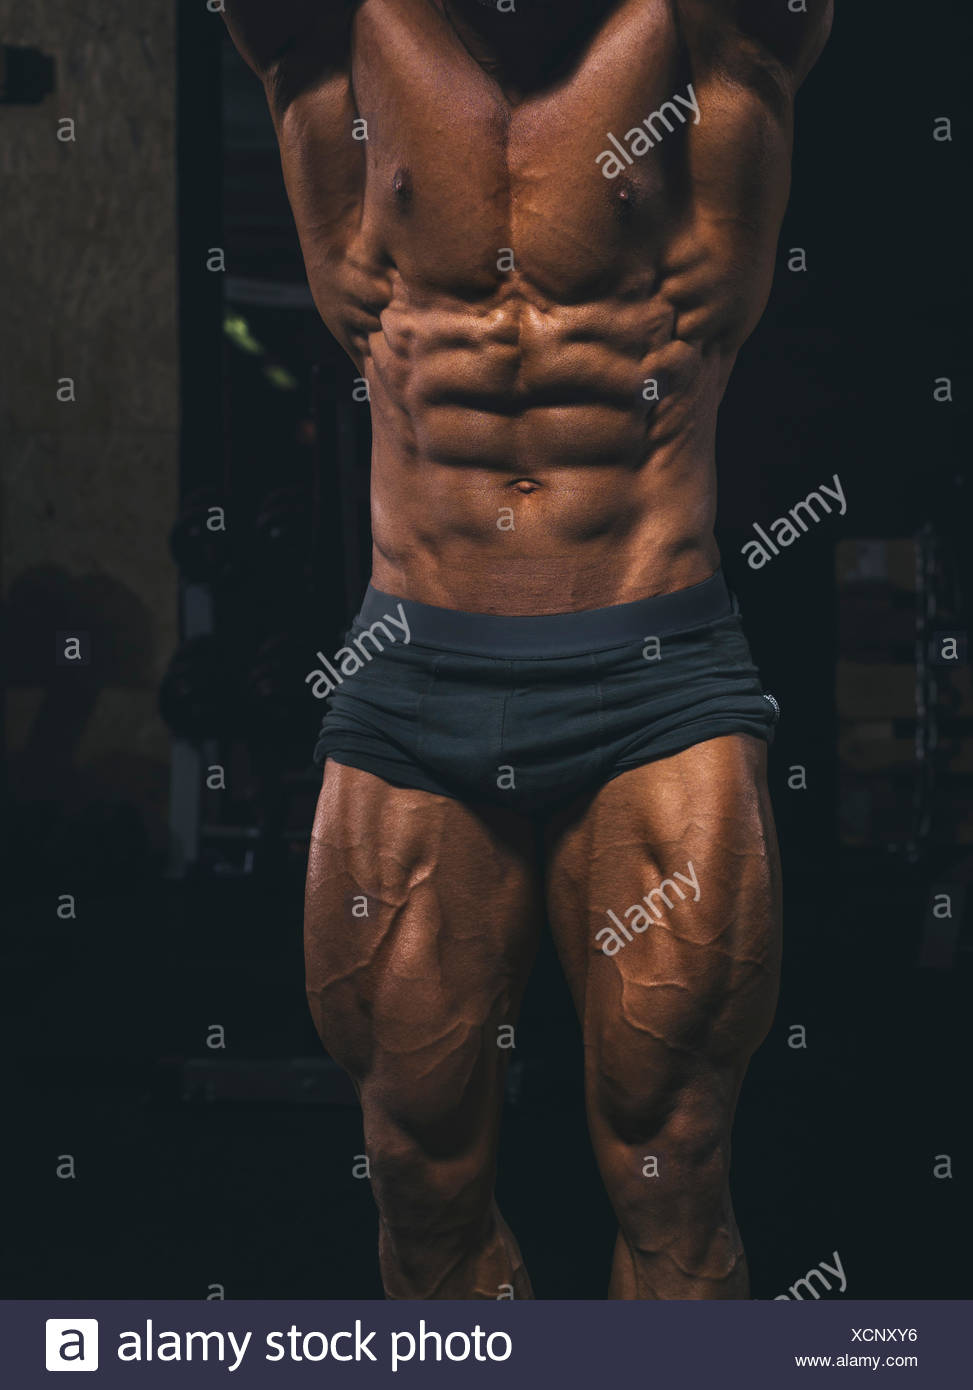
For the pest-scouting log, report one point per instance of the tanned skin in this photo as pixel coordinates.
(507, 304)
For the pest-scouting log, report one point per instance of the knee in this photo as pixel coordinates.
(425, 1188)
(695, 1139)
(428, 1139)
(649, 1097)
(663, 1145)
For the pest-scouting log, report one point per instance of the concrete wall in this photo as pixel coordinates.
(88, 257)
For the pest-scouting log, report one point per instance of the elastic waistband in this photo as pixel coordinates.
(550, 635)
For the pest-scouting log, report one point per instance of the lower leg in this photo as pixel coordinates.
(716, 1267)
(678, 1237)
(441, 1234)
(478, 1262)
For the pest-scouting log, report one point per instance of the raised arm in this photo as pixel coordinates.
(790, 33)
(263, 32)
(289, 43)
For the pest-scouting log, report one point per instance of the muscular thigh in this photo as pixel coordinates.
(664, 896)
(421, 921)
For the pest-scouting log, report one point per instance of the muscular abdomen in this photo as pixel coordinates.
(545, 347)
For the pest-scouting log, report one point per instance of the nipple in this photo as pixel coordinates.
(402, 185)
(624, 197)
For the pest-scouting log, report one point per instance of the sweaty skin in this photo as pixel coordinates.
(545, 349)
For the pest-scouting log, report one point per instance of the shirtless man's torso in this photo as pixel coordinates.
(542, 232)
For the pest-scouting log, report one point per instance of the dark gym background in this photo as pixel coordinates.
(159, 788)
